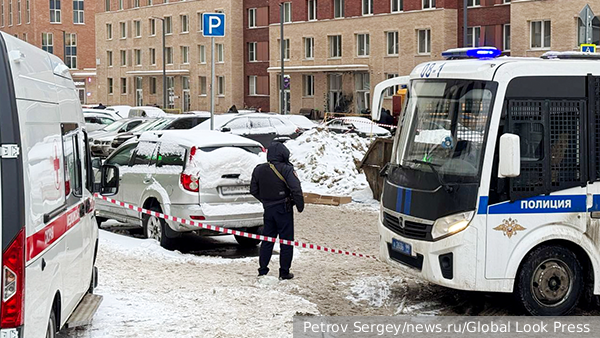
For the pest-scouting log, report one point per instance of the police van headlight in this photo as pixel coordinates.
(452, 224)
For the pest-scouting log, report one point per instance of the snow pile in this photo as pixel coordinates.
(374, 290)
(326, 162)
(211, 166)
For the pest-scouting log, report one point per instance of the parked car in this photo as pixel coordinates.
(359, 125)
(100, 140)
(300, 121)
(94, 121)
(196, 175)
(146, 112)
(263, 128)
(122, 111)
(110, 113)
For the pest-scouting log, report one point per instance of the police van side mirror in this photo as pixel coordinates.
(510, 156)
(109, 180)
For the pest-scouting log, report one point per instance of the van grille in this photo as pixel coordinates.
(407, 229)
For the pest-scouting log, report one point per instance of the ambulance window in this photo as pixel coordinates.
(121, 158)
(72, 165)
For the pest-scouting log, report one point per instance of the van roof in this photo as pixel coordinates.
(198, 138)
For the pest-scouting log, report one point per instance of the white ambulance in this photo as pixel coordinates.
(494, 181)
(48, 234)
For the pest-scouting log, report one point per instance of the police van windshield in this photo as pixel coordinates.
(448, 126)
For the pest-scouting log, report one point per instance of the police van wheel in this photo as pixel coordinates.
(550, 281)
(51, 329)
(249, 242)
(155, 228)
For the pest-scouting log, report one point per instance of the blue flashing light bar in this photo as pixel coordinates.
(472, 53)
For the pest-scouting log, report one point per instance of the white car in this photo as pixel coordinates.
(301, 121)
(359, 125)
(94, 121)
(191, 174)
(110, 113)
(146, 112)
(122, 111)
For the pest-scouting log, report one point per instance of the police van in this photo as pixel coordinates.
(48, 234)
(494, 181)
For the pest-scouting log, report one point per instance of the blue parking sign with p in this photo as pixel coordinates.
(213, 24)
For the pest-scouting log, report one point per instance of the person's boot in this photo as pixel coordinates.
(289, 275)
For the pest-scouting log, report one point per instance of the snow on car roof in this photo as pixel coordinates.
(198, 138)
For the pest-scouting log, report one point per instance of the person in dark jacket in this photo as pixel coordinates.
(276, 185)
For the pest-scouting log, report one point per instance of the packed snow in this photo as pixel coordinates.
(211, 166)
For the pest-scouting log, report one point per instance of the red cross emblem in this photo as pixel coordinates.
(56, 162)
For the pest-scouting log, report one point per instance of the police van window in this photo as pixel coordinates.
(122, 157)
(72, 165)
(144, 153)
(532, 140)
(170, 154)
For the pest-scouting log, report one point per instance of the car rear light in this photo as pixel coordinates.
(263, 149)
(297, 130)
(190, 182)
(192, 153)
(13, 282)
(198, 218)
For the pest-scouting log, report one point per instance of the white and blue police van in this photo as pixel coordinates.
(494, 181)
(47, 228)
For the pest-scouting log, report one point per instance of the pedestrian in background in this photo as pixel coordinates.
(276, 185)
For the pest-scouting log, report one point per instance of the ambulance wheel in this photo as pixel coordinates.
(155, 228)
(550, 281)
(51, 329)
(249, 242)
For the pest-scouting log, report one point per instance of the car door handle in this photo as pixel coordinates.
(147, 181)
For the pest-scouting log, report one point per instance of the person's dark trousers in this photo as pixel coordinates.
(280, 222)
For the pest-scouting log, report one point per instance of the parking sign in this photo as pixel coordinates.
(213, 24)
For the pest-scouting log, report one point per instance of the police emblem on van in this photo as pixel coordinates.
(510, 227)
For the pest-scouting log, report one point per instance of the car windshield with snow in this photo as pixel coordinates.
(195, 175)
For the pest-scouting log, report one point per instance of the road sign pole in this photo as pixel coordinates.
(212, 83)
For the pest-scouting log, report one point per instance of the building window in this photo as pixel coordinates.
(18, 12)
(312, 10)
(252, 81)
(335, 46)
(123, 58)
(428, 4)
(397, 6)
(202, 85)
(168, 25)
(391, 90)
(202, 53)
(109, 35)
(152, 86)
(136, 3)
(251, 17)
(152, 24)
(424, 41)
(27, 11)
(185, 23)
(338, 9)
(137, 28)
(138, 57)
(54, 11)
(185, 84)
(120, 5)
(473, 36)
(48, 42)
(185, 55)
(251, 51)
(10, 13)
(309, 48)
(200, 23)
(71, 50)
(473, 3)
(107, 5)
(123, 85)
(171, 91)
(286, 49)
(123, 28)
(110, 84)
(1, 13)
(169, 55)
(541, 33)
(367, 7)
(362, 45)
(25, 37)
(221, 85)
(392, 43)
(287, 12)
(109, 58)
(220, 53)
(309, 85)
(506, 38)
(152, 56)
(78, 11)
(363, 91)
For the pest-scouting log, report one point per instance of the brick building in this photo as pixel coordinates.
(256, 44)
(61, 27)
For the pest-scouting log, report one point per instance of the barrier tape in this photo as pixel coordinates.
(231, 231)
(365, 122)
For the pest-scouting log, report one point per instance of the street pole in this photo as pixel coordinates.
(212, 83)
(465, 28)
(164, 53)
(283, 107)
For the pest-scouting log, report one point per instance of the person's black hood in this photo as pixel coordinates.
(278, 153)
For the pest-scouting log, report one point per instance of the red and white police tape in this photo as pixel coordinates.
(230, 231)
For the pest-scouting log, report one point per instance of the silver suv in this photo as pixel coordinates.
(195, 175)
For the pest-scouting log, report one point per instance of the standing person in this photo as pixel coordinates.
(276, 185)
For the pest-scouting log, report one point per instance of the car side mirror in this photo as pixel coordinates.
(225, 129)
(109, 180)
(510, 156)
(96, 163)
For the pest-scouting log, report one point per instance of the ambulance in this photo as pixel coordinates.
(494, 180)
(47, 227)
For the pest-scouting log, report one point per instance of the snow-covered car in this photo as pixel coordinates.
(94, 121)
(359, 125)
(122, 111)
(110, 113)
(100, 140)
(191, 174)
(301, 121)
(260, 127)
(153, 112)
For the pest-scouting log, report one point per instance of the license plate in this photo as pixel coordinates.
(401, 247)
(235, 190)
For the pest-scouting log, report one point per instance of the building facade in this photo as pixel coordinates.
(256, 54)
(129, 49)
(63, 28)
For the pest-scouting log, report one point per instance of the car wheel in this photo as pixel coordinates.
(100, 220)
(155, 228)
(550, 281)
(249, 242)
(51, 328)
